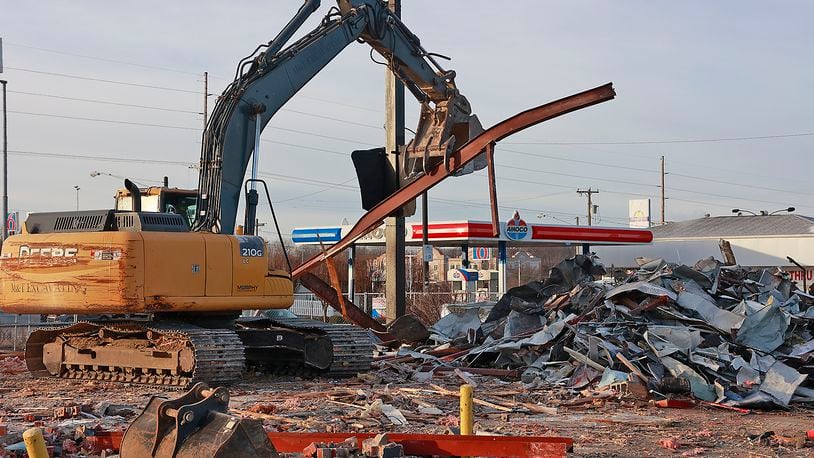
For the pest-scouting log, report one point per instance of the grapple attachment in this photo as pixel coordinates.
(194, 425)
(441, 130)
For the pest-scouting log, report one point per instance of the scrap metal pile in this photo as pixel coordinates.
(728, 336)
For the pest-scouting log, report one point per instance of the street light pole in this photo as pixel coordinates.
(77, 197)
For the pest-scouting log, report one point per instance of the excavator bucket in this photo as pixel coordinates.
(194, 425)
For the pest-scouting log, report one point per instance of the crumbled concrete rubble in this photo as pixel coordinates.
(610, 422)
(725, 335)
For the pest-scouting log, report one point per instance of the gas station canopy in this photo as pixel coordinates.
(514, 233)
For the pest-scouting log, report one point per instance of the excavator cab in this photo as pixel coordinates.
(161, 199)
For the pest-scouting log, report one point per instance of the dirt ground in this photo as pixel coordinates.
(613, 426)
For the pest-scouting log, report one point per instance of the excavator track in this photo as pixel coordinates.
(352, 346)
(177, 355)
(129, 350)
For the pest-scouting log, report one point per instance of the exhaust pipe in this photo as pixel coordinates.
(135, 194)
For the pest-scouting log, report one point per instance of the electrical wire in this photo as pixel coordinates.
(610, 180)
(166, 126)
(663, 142)
(104, 102)
(313, 182)
(579, 161)
(107, 102)
(345, 121)
(100, 80)
(102, 59)
(750, 185)
(109, 121)
(672, 188)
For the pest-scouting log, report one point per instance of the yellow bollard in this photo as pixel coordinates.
(35, 443)
(467, 420)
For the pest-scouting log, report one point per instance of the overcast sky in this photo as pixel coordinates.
(682, 71)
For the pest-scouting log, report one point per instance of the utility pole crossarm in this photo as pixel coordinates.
(589, 192)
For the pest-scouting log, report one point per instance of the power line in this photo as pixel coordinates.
(602, 164)
(336, 153)
(610, 180)
(155, 67)
(109, 121)
(578, 161)
(285, 129)
(98, 158)
(104, 102)
(691, 191)
(671, 173)
(289, 178)
(628, 154)
(103, 59)
(107, 102)
(197, 129)
(750, 185)
(100, 80)
(147, 86)
(353, 123)
(339, 103)
(313, 182)
(317, 192)
(662, 142)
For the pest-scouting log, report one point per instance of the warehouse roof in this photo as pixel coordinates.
(737, 226)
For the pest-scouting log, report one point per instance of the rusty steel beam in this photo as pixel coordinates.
(458, 159)
(328, 294)
(437, 444)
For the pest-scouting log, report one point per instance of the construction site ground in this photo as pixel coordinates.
(613, 426)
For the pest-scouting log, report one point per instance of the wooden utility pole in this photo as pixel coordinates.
(425, 265)
(395, 252)
(663, 198)
(206, 98)
(589, 192)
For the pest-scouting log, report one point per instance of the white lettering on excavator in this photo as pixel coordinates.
(53, 252)
(48, 288)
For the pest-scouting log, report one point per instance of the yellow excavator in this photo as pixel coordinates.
(161, 293)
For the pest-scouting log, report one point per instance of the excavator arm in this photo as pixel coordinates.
(266, 81)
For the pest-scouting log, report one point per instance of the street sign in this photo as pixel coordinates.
(481, 253)
(13, 223)
(427, 253)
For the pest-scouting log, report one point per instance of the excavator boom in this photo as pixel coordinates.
(265, 82)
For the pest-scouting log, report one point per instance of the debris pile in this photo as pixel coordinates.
(727, 336)
(13, 364)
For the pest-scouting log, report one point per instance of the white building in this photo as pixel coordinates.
(757, 241)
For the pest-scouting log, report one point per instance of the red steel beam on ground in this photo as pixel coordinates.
(458, 159)
(414, 444)
(437, 444)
